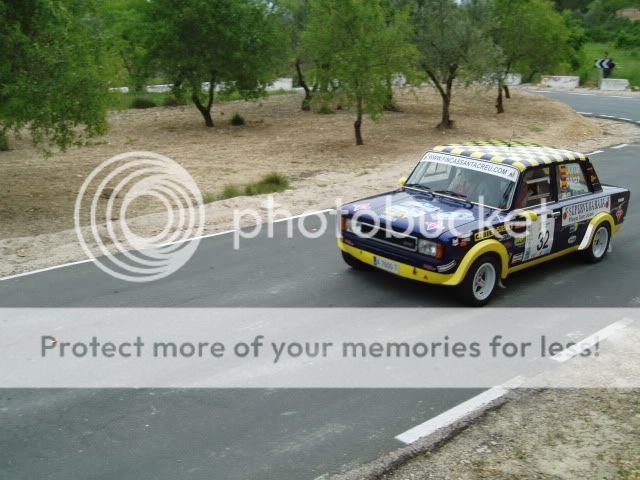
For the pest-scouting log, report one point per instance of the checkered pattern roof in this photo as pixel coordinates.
(518, 154)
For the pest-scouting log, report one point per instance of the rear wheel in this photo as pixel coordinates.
(354, 262)
(480, 283)
(599, 244)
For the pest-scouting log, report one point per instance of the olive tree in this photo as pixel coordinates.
(236, 45)
(51, 79)
(356, 46)
(453, 43)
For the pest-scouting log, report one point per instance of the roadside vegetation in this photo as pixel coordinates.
(271, 183)
(344, 54)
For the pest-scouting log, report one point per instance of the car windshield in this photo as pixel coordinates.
(476, 181)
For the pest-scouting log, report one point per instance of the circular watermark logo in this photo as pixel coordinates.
(110, 191)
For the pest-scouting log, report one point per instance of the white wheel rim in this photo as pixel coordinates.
(484, 281)
(600, 240)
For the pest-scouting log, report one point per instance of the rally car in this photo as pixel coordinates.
(470, 214)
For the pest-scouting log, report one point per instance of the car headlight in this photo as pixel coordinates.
(430, 248)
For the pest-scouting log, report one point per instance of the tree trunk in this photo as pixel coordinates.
(499, 102)
(205, 110)
(445, 94)
(358, 123)
(306, 103)
(507, 92)
(389, 104)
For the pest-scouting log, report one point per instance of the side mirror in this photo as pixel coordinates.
(402, 181)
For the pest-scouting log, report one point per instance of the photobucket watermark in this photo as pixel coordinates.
(388, 220)
(108, 194)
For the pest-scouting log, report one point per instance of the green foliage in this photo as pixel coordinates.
(454, 42)
(534, 37)
(238, 120)
(274, 182)
(627, 63)
(208, 197)
(4, 143)
(142, 103)
(235, 44)
(51, 80)
(360, 44)
(231, 191)
(173, 101)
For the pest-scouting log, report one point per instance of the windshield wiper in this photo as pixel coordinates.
(451, 193)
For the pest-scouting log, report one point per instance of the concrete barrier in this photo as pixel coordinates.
(614, 84)
(560, 82)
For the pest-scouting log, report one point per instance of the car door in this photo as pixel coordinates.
(575, 199)
(537, 193)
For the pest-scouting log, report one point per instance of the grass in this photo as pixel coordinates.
(272, 183)
(238, 120)
(627, 63)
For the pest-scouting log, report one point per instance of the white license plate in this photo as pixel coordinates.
(387, 265)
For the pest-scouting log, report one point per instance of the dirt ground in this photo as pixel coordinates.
(546, 431)
(550, 434)
(37, 193)
(316, 152)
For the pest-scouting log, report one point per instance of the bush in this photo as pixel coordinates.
(142, 102)
(173, 101)
(238, 120)
(4, 143)
(231, 191)
(274, 182)
(208, 197)
(325, 109)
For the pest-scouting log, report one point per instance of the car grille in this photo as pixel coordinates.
(390, 237)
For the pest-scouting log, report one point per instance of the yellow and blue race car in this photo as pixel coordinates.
(470, 214)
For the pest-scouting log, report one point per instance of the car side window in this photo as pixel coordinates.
(535, 188)
(571, 181)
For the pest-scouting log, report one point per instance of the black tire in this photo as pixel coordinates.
(354, 262)
(468, 293)
(595, 253)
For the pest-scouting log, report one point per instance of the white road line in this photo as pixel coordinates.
(626, 119)
(596, 152)
(618, 96)
(607, 116)
(585, 113)
(620, 146)
(583, 94)
(591, 340)
(458, 412)
(226, 232)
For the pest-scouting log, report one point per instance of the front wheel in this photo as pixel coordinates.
(599, 244)
(480, 283)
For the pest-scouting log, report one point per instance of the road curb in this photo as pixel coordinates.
(610, 117)
(390, 461)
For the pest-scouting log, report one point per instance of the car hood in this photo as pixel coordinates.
(423, 212)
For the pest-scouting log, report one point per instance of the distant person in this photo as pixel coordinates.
(608, 65)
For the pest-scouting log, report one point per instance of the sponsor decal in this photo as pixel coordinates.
(517, 258)
(582, 211)
(455, 215)
(621, 200)
(619, 214)
(434, 226)
(572, 239)
(519, 241)
(362, 206)
(574, 228)
(539, 240)
(499, 170)
(484, 234)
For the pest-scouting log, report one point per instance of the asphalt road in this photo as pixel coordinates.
(620, 105)
(266, 434)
